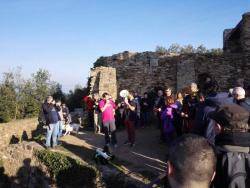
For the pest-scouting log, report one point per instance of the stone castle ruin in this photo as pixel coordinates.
(142, 72)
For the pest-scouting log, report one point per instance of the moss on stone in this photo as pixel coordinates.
(66, 171)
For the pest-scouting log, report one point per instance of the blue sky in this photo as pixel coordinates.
(67, 36)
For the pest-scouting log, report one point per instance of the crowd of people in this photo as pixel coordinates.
(55, 115)
(207, 131)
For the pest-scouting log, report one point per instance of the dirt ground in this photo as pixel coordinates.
(147, 158)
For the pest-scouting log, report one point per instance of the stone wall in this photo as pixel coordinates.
(103, 79)
(184, 67)
(245, 33)
(145, 71)
(16, 130)
(237, 39)
(142, 72)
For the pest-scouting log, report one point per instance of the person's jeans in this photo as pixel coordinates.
(130, 125)
(52, 131)
(60, 128)
(97, 122)
(109, 127)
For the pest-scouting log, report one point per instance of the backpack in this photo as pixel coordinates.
(233, 170)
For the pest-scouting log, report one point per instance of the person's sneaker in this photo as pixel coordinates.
(127, 143)
(132, 145)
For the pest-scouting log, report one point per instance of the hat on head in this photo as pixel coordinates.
(231, 116)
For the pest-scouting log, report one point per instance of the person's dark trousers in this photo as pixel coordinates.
(118, 121)
(91, 118)
(145, 119)
(110, 128)
(160, 126)
(159, 121)
(178, 124)
(130, 126)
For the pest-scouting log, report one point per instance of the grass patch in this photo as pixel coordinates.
(40, 138)
(66, 171)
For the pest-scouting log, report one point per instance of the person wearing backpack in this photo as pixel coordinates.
(232, 142)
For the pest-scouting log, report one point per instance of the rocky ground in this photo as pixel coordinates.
(132, 167)
(143, 163)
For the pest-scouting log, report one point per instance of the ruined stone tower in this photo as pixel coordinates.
(142, 72)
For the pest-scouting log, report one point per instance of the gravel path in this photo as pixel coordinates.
(146, 158)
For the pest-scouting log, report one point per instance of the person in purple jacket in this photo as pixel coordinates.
(168, 119)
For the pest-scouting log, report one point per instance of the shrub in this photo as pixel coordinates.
(101, 61)
(67, 171)
(160, 49)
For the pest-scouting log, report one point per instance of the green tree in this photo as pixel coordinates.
(160, 49)
(75, 98)
(201, 49)
(188, 49)
(20, 98)
(216, 51)
(30, 106)
(41, 81)
(7, 101)
(58, 94)
(174, 48)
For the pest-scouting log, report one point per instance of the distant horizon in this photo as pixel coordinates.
(67, 37)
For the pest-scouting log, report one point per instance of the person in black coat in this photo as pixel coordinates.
(232, 146)
(145, 110)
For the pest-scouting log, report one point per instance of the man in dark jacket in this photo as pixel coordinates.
(52, 119)
(232, 144)
(158, 109)
(207, 104)
(145, 110)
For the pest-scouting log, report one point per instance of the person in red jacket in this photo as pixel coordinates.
(90, 108)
